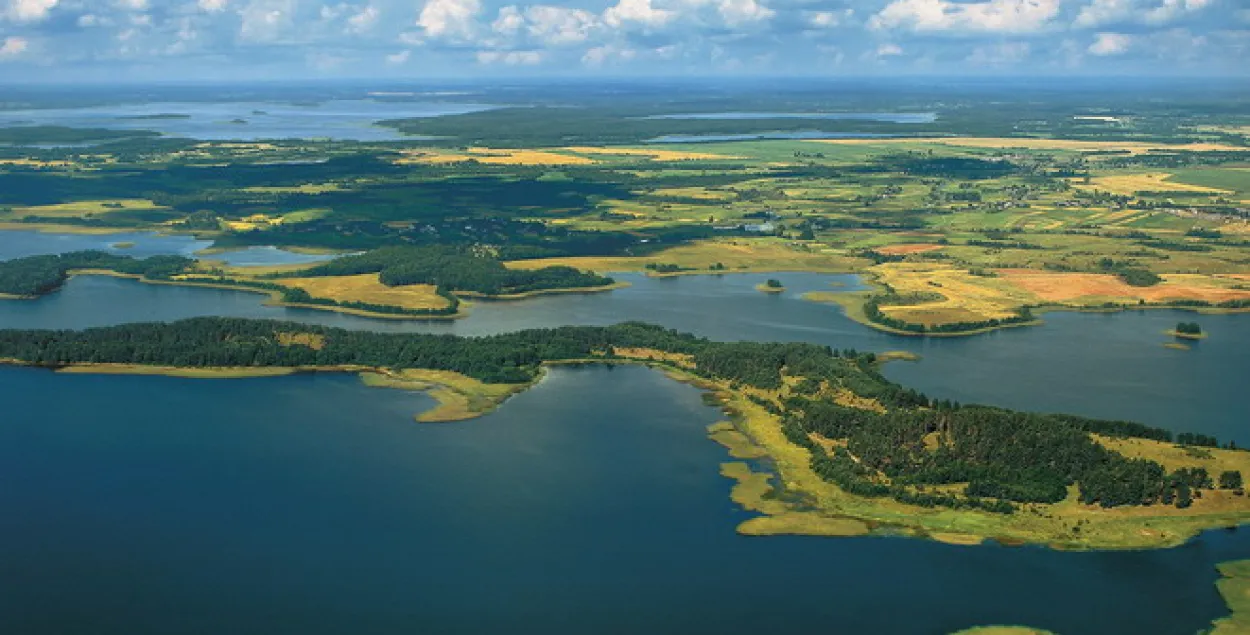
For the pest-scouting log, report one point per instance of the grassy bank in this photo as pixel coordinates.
(1234, 586)
(459, 397)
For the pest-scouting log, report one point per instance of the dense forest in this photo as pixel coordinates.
(913, 451)
(37, 275)
(454, 269)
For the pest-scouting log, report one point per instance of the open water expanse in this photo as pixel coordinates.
(20, 244)
(589, 504)
(592, 503)
(340, 119)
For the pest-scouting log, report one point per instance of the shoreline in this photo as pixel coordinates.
(789, 496)
(852, 303)
(275, 296)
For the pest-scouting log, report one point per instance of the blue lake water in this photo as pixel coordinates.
(1099, 364)
(341, 119)
(19, 244)
(589, 504)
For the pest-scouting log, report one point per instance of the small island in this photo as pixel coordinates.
(773, 285)
(1188, 331)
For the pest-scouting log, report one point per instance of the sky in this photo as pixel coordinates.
(221, 40)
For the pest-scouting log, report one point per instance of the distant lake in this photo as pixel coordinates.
(1109, 365)
(20, 244)
(884, 117)
(799, 135)
(342, 119)
(589, 504)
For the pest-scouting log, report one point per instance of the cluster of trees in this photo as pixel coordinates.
(37, 275)
(1002, 456)
(454, 269)
(1189, 328)
(872, 310)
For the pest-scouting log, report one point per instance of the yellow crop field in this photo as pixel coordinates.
(494, 157)
(743, 254)
(653, 154)
(366, 288)
(82, 209)
(1095, 288)
(1128, 184)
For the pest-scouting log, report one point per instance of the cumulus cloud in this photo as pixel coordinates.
(826, 19)
(362, 21)
(994, 16)
(889, 50)
(739, 12)
(266, 20)
(133, 5)
(29, 10)
(557, 26)
(211, 6)
(450, 19)
(509, 21)
(601, 55)
(1106, 44)
(640, 12)
(12, 47)
(510, 58)
(1101, 12)
(399, 58)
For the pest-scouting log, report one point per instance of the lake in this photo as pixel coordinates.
(589, 504)
(22, 243)
(339, 119)
(1109, 365)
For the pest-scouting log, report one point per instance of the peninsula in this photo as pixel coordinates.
(853, 452)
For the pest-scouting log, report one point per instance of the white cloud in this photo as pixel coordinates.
(399, 58)
(509, 21)
(826, 19)
(636, 11)
(600, 55)
(29, 10)
(1110, 44)
(739, 12)
(212, 6)
(88, 20)
(12, 47)
(994, 16)
(510, 58)
(363, 21)
(557, 26)
(889, 50)
(266, 20)
(1100, 12)
(1172, 9)
(133, 5)
(453, 19)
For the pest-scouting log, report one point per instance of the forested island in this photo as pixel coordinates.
(437, 276)
(855, 449)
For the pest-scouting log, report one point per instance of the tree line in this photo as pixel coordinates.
(38, 275)
(453, 269)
